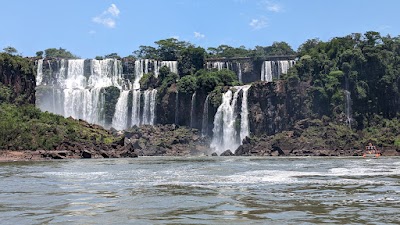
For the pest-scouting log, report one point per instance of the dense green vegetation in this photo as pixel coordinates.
(56, 53)
(368, 66)
(11, 68)
(26, 127)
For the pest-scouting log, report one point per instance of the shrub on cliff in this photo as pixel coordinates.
(149, 81)
(187, 84)
(209, 80)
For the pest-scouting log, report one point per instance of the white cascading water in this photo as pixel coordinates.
(135, 107)
(192, 105)
(39, 72)
(77, 90)
(204, 127)
(142, 67)
(274, 69)
(219, 65)
(149, 100)
(225, 133)
(244, 114)
(77, 94)
(120, 119)
(172, 65)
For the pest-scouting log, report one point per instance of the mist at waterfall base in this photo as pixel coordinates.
(76, 88)
(202, 190)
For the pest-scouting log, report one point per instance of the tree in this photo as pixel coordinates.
(10, 50)
(112, 56)
(169, 49)
(187, 84)
(191, 59)
(146, 52)
(39, 54)
(59, 53)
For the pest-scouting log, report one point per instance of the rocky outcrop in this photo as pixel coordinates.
(275, 106)
(310, 138)
(165, 140)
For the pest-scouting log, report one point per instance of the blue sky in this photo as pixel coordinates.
(89, 28)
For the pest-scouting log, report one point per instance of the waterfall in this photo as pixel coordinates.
(204, 127)
(153, 98)
(192, 109)
(266, 71)
(244, 115)
(76, 89)
(135, 107)
(274, 69)
(39, 72)
(219, 65)
(120, 118)
(172, 65)
(139, 72)
(240, 72)
(224, 131)
(146, 107)
(149, 106)
(105, 73)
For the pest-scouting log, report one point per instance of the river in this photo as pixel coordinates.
(202, 190)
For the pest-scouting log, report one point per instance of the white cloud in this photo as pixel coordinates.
(107, 18)
(113, 10)
(92, 32)
(272, 6)
(199, 35)
(259, 23)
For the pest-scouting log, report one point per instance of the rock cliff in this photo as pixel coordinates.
(17, 78)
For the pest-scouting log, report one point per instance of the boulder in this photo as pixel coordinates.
(227, 153)
(86, 154)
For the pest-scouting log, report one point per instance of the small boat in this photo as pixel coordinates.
(371, 151)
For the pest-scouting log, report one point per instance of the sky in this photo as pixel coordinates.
(90, 28)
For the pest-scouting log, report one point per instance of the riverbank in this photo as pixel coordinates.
(42, 155)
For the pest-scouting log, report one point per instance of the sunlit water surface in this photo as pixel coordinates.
(202, 190)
